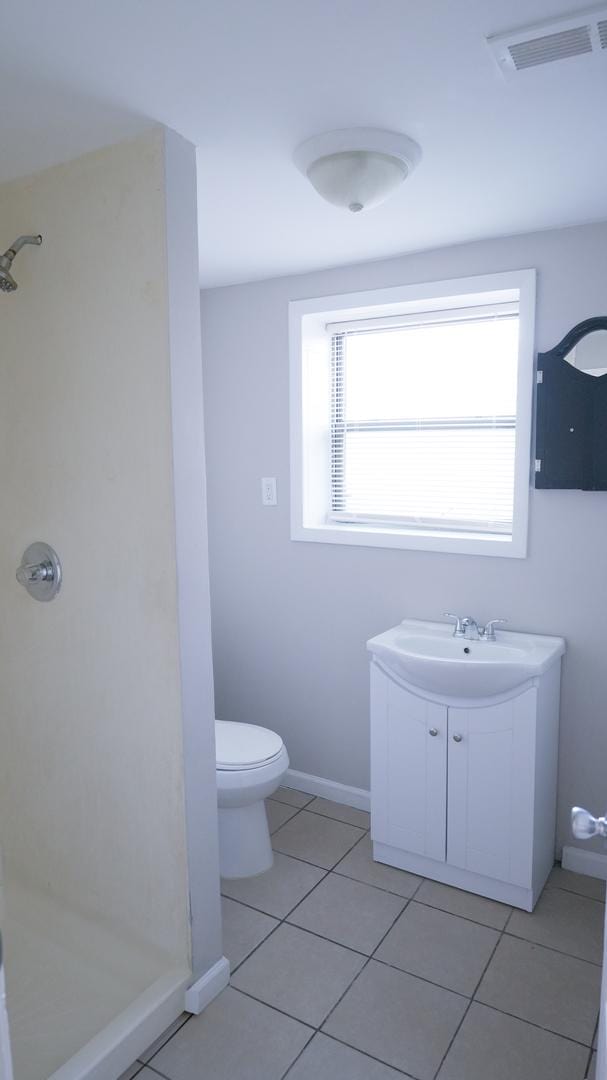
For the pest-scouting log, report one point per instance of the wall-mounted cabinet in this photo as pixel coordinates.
(465, 791)
(571, 435)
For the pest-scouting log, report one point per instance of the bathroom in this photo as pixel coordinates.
(161, 416)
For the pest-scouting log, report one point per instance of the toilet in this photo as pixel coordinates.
(251, 764)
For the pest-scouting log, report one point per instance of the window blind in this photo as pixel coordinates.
(423, 422)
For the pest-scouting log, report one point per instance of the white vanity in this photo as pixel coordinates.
(464, 748)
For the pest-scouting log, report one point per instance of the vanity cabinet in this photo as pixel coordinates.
(464, 790)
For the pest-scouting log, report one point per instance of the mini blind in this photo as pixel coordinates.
(423, 421)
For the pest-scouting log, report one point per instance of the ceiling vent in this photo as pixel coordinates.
(581, 34)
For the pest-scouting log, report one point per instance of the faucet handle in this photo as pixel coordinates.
(488, 631)
(459, 628)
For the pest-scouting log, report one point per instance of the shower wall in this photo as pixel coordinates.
(92, 801)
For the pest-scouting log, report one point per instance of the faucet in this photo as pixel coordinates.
(467, 627)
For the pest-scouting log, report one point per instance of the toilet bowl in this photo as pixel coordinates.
(251, 763)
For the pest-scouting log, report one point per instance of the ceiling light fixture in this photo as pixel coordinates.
(357, 168)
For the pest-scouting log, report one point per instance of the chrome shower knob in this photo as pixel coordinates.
(40, 571)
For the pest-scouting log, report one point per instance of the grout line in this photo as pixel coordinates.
(381, 888)
(276, 1009)
(421, 978)
(532, 1023)
(466, 918)
(296, 1059)
(156, 1071)
(333, 817)
(251, 907)
(552, 948)
(467, 1009)
(310, 798)
(366, 1054)
(596, 1029)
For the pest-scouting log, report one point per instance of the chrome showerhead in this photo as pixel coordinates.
(7, 281)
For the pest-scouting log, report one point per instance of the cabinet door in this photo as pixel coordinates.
(491, 789)
(408, 769)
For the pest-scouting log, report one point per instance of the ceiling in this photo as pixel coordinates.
(246, 82)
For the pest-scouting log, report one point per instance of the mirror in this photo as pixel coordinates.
(590, 354)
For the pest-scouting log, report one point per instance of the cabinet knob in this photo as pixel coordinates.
(457, 738)
(433, 731)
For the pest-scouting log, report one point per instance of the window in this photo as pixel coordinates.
(411, 416)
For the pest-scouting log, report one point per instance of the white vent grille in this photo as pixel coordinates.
(583, 35)
(543, 50)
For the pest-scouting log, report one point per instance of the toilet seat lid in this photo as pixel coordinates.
(244, 746)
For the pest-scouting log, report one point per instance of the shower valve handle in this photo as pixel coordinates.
(40, 571)
(31, 572)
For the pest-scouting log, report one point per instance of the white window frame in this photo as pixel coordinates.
(310, 328)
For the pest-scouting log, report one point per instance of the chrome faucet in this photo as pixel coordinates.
(467, 627)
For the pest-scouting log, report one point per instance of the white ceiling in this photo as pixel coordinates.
(247, 81)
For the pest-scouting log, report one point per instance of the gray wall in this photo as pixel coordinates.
(290, 619)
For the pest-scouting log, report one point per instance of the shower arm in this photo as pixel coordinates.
(22, 241)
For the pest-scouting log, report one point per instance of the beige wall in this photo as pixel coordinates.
(91, 770)
(291, 619)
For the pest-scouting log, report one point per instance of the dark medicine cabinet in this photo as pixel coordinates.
(571, 428)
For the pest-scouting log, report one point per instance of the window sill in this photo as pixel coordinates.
(459, 543)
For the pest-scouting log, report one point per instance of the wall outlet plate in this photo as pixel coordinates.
(268, 491)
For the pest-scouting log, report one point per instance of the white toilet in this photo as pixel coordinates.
(251, 763)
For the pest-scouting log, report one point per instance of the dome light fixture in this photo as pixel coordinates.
(357, 168)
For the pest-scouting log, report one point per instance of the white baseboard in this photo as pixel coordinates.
(328, 789)
(115, 1048)
(581, 861)
(202, 992)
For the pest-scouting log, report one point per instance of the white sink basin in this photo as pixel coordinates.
(428, 656)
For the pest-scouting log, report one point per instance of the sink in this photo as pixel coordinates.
(427, 655)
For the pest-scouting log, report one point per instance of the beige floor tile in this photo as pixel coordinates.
(166, 1035)
(319, 840)
(243, 930)
(299, 973)
(443, 948)
(340, 812)
(557, 992)
(466, 904)
(401, 1020)
(278, 890)
(278, 813)
(348, 912)
(326, 1059)
(565, 921)
(359, 864)
(235, 1038)
(492, 1046)
(577, 883)
(292, 797)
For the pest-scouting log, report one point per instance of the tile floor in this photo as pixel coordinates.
(343, 969)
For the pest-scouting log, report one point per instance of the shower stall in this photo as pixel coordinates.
(109, 887)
